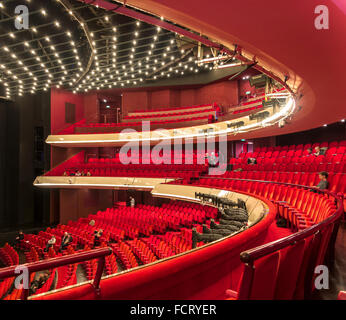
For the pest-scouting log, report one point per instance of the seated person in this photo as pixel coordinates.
(238, 170)
(212, 159)
(251, 161)
(97, 237)
(92, 222)
(19, 238)
(308, 152)
(323, 184)
(65, 241)
(39, 281)
(65, 173)
(51, 242)
(320, 151)
(78, 173)
(88, 174)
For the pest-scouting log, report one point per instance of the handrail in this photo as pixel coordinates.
(52, 263)
(250, 255)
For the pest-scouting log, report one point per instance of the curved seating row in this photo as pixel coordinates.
(333, 144)
(184, 280)
(138, 236)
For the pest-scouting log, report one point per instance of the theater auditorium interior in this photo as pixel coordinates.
(172, 150)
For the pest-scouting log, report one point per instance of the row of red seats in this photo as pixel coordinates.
(164, 115)
(125, 255)
(116, 222)
(118, 127)
(295, 167)
(334, 151)
(337, 181)
(8, 257)
(307, 208)
(175, 108)
(333, 144)
(260, 106)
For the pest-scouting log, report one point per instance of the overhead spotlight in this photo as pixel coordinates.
(342, 120)
(325, 125)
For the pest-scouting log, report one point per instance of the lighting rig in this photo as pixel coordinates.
(80, 47)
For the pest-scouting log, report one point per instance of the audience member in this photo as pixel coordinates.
(39, 281)
(323, 184)
(309, 152)
(66, 241)
(78, 173)
(97, 237)
(51, 242)
(251, 161)
(19, 238)
(132, 202)
(92, 222)
(320, 151)
(212, 159)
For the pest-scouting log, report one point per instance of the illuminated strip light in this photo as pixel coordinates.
(278, 94)
(207, 60)
(176, 196)
(284, 113)
(236, 64)
(92, 185)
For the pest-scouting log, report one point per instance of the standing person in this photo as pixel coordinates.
(51, 242)
(132, 202)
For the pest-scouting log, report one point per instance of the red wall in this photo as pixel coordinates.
(91, 108)
(58, 99)
(224, 93)
(244, 86)
(159, 99)
(188, 97)
(134, 101)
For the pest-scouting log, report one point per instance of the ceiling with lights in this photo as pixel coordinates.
(80, 47)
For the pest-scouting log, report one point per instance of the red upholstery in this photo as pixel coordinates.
(342, 295)
(258, 282)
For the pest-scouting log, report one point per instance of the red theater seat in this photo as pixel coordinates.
(258, 282)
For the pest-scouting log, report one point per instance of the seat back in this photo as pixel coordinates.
(290, 263)
(258, 281)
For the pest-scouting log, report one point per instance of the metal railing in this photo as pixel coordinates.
(52, 263)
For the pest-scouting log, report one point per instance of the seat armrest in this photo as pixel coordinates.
(231, 294)
(341, 295)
